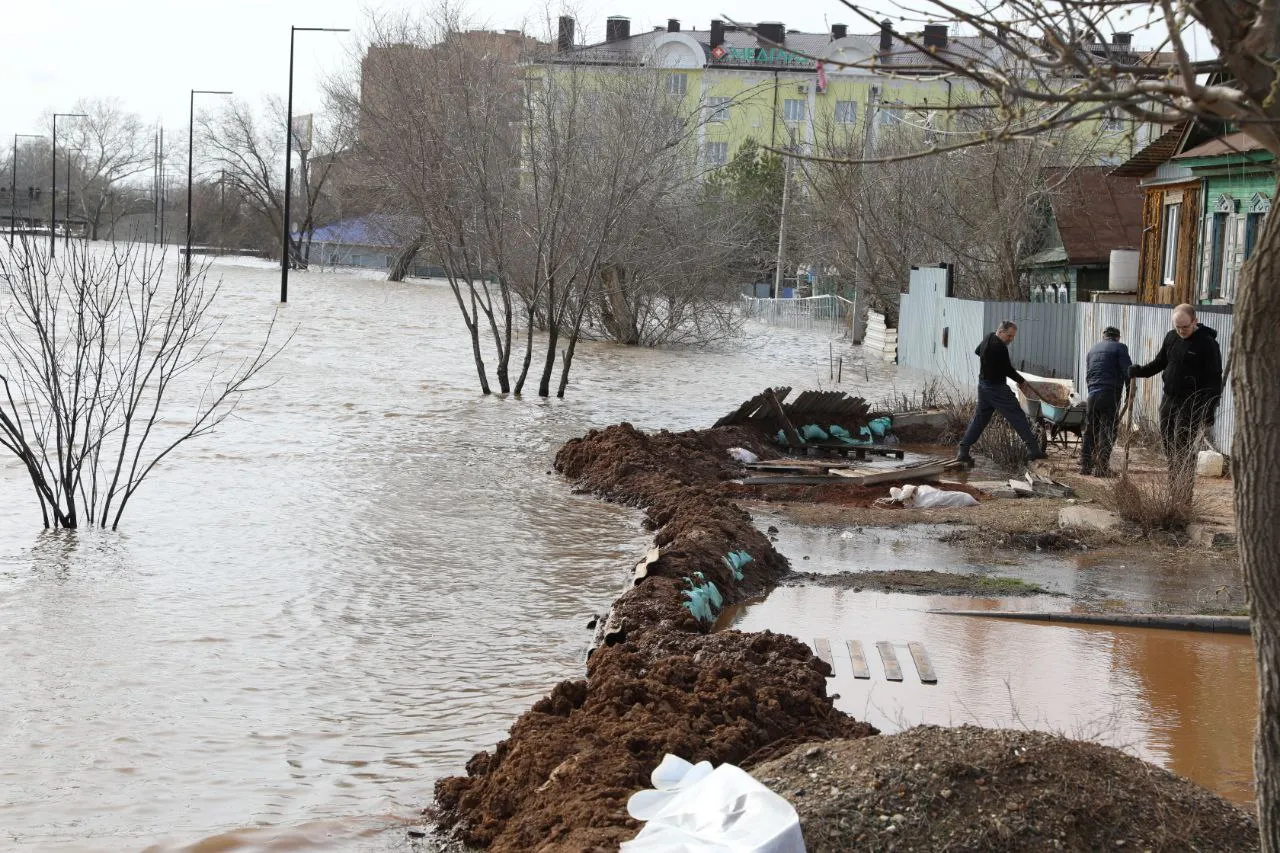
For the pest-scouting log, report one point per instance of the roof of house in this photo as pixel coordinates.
(635, 47)
(1233, 143)
(1095, 213)
(1165, 148)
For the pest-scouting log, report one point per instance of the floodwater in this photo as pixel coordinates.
(357, 582)
(1184, 700)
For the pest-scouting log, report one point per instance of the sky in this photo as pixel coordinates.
(150, 53)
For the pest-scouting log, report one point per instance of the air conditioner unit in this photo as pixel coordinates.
(802, 88)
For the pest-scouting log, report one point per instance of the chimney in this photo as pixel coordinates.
(886, 36)
(617, 28)
(1122, 40)
(564, 38)
(773, 31)
(935, 35)
(717, 33)
(673, 26)
(838, 31)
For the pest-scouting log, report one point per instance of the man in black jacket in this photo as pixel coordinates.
(1191, 363)
(1108, 365)
(994, 394)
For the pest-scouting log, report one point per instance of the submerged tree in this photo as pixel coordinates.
(1046, 70)
(107, 365)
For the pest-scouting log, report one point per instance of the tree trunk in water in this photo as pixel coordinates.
(404, 260)
(1255, 458)
(617, 315)
(549, 366)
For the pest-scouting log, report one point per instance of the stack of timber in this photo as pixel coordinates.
(880, 340)
(816, 472)
(823, 408)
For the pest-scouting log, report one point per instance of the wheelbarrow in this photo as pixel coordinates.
(1056, 423)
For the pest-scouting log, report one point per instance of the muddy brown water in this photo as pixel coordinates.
(361, 580)
(1183, 700)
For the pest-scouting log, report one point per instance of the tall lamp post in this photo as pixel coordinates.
(66, 209)
(53, 184)
(288, 158)
(13, 186)
(191, 153)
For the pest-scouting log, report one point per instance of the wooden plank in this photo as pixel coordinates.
(823, 647)
(793, 438)
(923, 666)
(792, 480)
(851, 473)
(931, 471)
(892, 671)
(858, 659)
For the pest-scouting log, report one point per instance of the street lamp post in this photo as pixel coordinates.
(66, 210)
(191, 153)
(288, 158)
(53, 184)
(13, 186)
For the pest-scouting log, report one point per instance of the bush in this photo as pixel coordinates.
(1002, 445)
(1157, 502)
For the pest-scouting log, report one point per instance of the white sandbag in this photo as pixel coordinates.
(694, 809)
(928, 497)
(743, 455)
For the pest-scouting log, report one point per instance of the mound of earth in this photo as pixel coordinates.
(985, 790)
(561, 780)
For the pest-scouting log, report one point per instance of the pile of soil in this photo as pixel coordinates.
(973, 789)
(561, 780)
(627, 466)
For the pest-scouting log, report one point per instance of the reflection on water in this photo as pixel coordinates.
(1185, 700)
(358, 582)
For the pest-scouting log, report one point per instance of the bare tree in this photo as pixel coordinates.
(246, 152)
(114, 145)
(98, 351)
(1046, 72)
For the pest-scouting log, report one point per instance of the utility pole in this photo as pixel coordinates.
(782, 220)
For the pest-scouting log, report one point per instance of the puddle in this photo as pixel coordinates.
(1118, 578)
(1183, 700)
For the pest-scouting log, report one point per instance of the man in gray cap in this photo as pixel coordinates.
(1107, 368)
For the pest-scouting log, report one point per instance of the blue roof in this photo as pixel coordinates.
(374, 230)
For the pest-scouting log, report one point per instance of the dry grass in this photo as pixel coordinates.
(1157, 501)
(1002, 445)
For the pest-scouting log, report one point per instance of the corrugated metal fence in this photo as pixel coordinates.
(1143, 328)
(937, 334)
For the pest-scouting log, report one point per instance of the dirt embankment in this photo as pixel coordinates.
(560, 780)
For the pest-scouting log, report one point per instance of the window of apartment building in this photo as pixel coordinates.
(717, 153)
(1169, 231)
(846, 112)
(718, 109)
(793, 109)
(1114, 119)
(678, 84)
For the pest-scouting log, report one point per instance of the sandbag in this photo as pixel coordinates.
(695, 809)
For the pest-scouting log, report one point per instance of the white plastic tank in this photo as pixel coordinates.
(1122, 275)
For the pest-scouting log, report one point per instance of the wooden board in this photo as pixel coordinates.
(823, 647)
(892, 671)
(859, 660)
(928, 471)
(923, 666)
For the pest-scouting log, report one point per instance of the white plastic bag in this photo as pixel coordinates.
(694, 809)
(928, 497)
(743, 455)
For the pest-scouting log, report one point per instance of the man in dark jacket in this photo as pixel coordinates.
(1191, 363)
(994, 394)
(1108, 364)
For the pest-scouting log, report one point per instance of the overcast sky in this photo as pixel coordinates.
(151, 53)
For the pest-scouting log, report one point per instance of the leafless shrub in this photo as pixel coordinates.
(1156, 502)
(1002, 445)
(106, 366)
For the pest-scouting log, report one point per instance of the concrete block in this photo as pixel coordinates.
(1211, 535)
(1090, 517)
